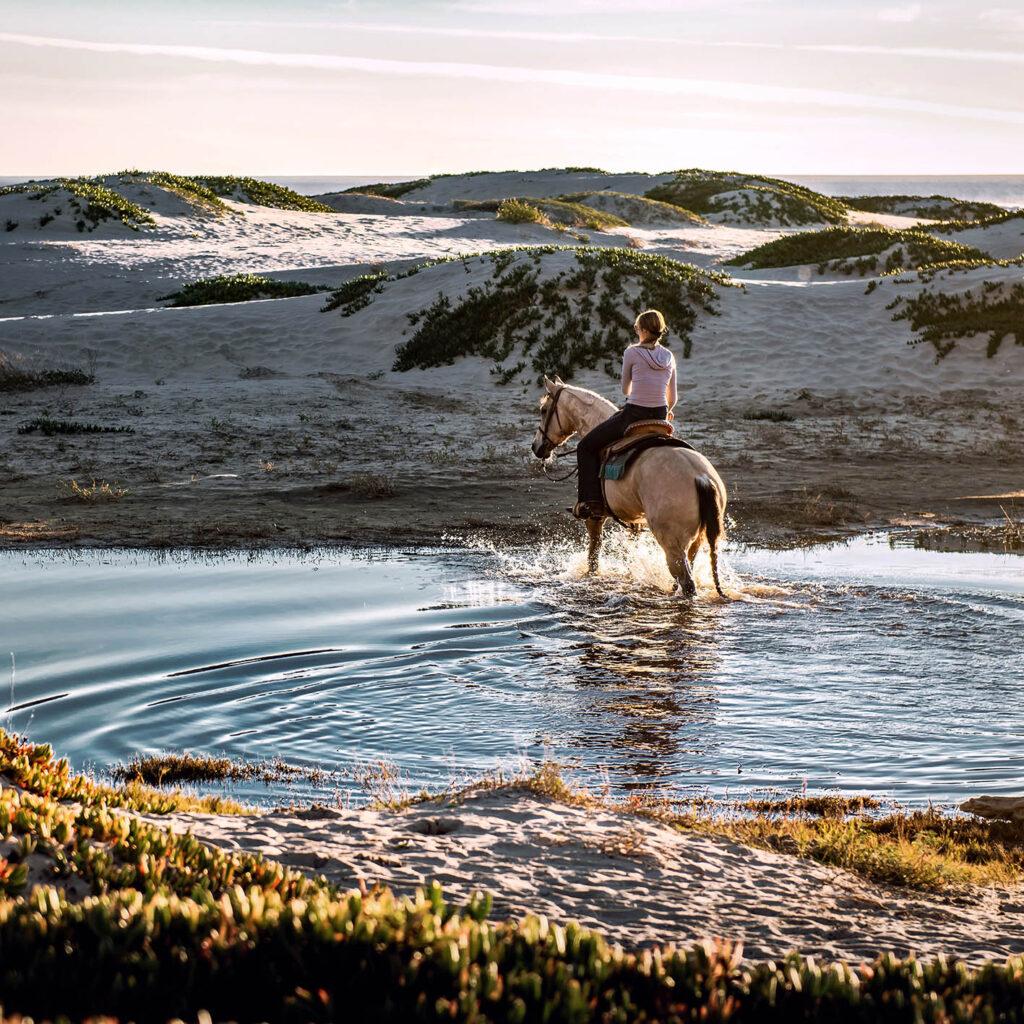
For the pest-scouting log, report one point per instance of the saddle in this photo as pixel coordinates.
(617, 457)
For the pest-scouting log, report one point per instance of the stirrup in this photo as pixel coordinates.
(589, 510)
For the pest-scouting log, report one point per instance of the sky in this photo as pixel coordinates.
(408, 87)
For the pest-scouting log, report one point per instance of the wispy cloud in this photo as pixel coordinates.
(901, 14)
(528, 35)
(744, 92)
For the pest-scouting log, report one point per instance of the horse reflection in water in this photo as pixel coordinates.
(676, 492)
(644, 679)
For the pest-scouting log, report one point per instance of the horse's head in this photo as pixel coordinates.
(553, 429)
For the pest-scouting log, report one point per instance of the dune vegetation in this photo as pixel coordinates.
(89, 198)
(540, 311)
(748, 198)
(943, 318)
(549, 212)
(634, 209)
(238, 288)
(943, 208)
(170, 928)
(855, 250)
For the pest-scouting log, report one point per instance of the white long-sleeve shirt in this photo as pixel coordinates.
(649, 376)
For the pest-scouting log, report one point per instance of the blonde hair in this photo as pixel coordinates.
(651, 321)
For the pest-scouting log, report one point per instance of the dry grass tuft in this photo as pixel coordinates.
(97, 493)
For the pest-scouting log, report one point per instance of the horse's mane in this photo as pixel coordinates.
(588, 398)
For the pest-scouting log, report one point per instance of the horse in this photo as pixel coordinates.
(675, 490)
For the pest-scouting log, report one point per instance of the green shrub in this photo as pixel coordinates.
(942, 319)
(239, 288)
(578, 318)
(835, 248)
(518, 211)
(188, 189)
(765, 199)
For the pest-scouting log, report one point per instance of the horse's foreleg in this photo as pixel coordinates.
(595, 531)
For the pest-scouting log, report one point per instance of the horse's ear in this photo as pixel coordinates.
(550, 385)
(558, 380)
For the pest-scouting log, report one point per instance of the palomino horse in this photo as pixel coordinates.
(676, 490)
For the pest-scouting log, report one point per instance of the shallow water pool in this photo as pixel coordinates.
(865, 667)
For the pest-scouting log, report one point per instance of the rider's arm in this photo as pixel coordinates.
(627, 373)
(671, 393)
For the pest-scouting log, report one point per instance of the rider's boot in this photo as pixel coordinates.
(589, 510)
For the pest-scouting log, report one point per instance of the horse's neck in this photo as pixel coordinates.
(587, 416)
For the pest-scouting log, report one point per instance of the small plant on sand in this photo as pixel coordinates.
(19, 375)
(372, 485)
(772, 415)
(97, 493)
(516, 211)
(50, 427)
(238, 288)
(356, 294)
(172, 769)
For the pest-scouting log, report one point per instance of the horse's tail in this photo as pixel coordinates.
(710, 507)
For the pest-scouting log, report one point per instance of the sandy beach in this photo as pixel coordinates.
(270, 422)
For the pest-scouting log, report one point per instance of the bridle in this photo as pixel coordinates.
(552, 411)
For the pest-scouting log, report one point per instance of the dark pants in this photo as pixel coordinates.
(588, 451)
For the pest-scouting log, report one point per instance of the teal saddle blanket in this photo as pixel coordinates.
(615, 464)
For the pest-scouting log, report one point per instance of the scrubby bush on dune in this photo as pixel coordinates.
(747, 198)
(195, 194)
(518, 211)
(926, 207)
(850, 250)
(100, 202)
(941, 319)
(174, 928)
(239, 288)
(950, 227)
(560, 320)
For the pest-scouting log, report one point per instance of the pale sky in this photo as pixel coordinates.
(396, 87)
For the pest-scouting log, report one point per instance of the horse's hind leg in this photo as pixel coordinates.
(682, 571)
(595, 530)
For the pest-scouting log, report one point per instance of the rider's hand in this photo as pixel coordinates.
(671, 417)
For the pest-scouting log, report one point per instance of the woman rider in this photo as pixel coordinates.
(649, 384)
